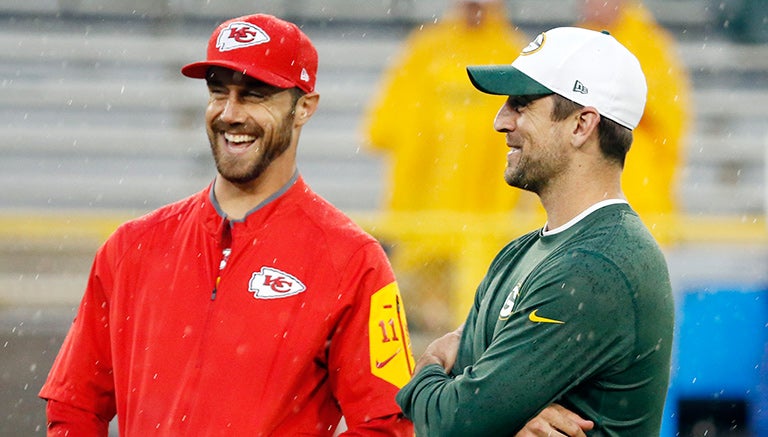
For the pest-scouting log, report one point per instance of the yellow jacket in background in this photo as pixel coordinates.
(650, 174)
(436, 128)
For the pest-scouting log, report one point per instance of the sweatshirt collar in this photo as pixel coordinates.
(578, 218)
(268, 200)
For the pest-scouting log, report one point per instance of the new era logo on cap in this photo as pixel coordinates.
(263, 47)
(240, 34)
(579, 87)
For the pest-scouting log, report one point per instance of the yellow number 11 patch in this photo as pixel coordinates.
(390, 344)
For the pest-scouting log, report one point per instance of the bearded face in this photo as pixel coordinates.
(249, 124)
(535, 166)
(242, 153)
(534, 139)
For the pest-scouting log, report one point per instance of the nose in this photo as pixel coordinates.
(233, 111)
(505, 120)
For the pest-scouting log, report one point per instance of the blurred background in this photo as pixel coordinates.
(98, 126)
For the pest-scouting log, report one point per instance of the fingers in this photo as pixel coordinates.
(539, 427)
(572, 421)
(556, 421)
(442, 351)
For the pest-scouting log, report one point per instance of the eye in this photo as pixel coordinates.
(217, 91)
(516, 104)
(255, 95)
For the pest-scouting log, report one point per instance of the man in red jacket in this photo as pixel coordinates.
(253, 307)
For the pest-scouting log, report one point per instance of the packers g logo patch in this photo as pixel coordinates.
(509, 304)
(535, 45)
(390, 344)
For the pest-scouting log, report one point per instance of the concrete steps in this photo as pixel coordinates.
(96, 114)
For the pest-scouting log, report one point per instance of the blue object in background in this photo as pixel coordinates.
(721, 357)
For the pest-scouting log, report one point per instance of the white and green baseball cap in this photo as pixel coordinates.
(588, 67)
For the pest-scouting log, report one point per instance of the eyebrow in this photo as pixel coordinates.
(248, 83)
(526, 100)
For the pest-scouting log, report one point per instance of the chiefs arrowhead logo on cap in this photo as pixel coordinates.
(274, 51)
(240, 34)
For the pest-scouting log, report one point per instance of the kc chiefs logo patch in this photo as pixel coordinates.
(270, 283)
(240, 34)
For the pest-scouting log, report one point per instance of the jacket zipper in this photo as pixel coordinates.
(225, 245)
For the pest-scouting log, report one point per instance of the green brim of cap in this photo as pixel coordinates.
(504, 80)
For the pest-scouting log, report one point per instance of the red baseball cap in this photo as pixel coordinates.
(263, 47)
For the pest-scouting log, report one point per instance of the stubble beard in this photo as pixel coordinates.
(524, 176)
(244, 169)
(535, 175)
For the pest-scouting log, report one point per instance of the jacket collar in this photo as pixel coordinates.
(213, 215)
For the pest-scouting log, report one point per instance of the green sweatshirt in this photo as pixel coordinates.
(582, 317)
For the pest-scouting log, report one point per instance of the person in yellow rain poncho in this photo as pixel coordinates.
(650, 178)
(444, 174)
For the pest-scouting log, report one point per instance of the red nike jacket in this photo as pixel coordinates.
(278, 324)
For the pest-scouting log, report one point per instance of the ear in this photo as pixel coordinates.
(585, 127)
(305, 107)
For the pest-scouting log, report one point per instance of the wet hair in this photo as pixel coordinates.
(296, 94)
(614, 138)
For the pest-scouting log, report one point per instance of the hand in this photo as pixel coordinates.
(442, 351)
(556, 421)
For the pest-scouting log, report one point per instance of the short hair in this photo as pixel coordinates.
(614, 138)
(296, 94)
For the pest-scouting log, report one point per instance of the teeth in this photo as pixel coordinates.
(239, 138)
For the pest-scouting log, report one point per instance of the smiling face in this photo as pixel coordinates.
(537, 155)
(249, 124)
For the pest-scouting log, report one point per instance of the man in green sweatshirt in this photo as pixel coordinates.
(580, 312)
